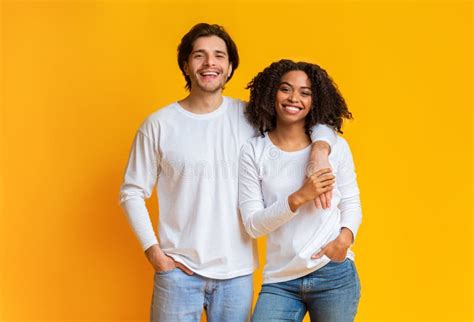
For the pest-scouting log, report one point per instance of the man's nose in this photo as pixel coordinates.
(209, 61)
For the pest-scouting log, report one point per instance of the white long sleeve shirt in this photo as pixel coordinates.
(267, 176)
(193, 159)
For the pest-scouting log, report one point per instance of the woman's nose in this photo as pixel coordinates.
(293, 97)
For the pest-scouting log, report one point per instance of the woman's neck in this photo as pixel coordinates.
(290, 137)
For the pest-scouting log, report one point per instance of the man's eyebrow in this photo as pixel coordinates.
(203, 51)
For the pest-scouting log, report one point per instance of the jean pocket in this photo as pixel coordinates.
(337, 262)
(166, 272)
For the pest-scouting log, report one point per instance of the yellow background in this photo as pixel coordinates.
(79, 77)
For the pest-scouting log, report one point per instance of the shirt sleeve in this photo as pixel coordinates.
(258, 220)
(139, 180)
(247, 129)
(322, 132)
(351, 213)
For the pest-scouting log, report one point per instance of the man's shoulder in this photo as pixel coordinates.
(341, 146)
(235, 102)
(161, 115)
(163, 112)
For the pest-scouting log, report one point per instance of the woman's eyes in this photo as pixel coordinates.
(289, 90)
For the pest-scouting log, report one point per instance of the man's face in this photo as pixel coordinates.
(208, 64)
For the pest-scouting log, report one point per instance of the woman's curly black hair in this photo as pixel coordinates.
(328, 105)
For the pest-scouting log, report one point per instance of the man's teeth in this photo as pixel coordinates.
(209, 74)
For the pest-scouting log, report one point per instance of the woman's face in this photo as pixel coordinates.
(293, 98)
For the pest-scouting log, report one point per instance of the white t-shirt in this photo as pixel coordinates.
(193, 158)
(267, 176)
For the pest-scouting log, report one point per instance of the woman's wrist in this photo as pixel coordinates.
(346, 237)
(295, 201)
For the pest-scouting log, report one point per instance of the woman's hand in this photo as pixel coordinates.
(336, 250)
(316, 184)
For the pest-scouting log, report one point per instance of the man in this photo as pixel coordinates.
(204, 258)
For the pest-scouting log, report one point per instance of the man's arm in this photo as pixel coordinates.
(349, 205)
(140, 177)
(139, 180)
(323, 138)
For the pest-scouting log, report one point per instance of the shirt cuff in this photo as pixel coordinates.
(353, 228)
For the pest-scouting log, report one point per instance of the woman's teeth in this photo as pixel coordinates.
(293, 108)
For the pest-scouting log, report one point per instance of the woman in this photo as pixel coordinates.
(309, 266)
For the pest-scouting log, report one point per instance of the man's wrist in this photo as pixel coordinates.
(154, 251)
(321, 147)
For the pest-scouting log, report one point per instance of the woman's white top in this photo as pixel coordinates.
(267, 176)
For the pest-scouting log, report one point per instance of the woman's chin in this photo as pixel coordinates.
(291, 120)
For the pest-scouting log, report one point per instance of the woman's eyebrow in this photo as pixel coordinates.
(286, 83)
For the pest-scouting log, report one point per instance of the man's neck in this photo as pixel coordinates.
(202, 103)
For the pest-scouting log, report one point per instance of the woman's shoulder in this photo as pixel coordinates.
(257, 142)
(254, 145)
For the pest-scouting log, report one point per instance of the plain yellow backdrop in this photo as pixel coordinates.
(79, 77)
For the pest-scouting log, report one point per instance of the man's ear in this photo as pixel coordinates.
(186, 68)
(230, 71)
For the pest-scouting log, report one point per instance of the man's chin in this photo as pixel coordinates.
(211, 89)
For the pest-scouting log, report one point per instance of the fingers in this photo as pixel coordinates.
(332, 252)
(317, 203)
(328, 183)
(319, 254)
(329, 197)
(324, 185)
(322, 177)
(321, 172)
(323, 181)
(184, 268)
(324, 201)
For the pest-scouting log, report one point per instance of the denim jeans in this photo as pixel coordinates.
(178, 297)
(330, 294)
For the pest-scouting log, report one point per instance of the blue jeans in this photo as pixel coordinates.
(180, 297)
(330, 294)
